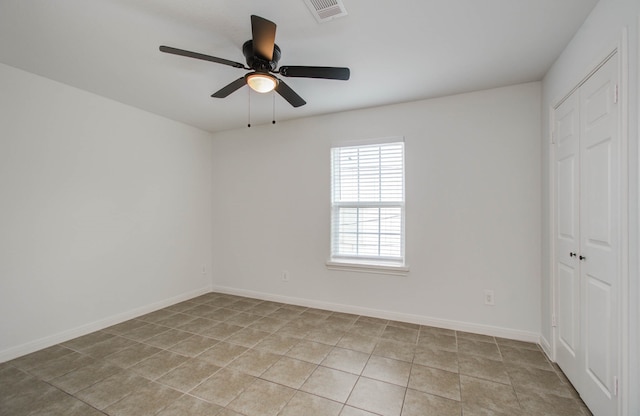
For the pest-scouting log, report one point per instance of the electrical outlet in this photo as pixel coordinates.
(285, 276)
(489, 298)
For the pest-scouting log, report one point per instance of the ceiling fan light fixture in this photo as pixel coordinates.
(262, 82)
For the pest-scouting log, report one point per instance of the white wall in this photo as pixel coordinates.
(601, 32)
(105, 212)
(473, 211)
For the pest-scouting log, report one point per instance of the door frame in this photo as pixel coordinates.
(619, 52)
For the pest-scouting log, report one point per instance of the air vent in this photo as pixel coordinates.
(325, 10)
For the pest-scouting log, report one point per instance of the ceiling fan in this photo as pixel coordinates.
(262, 55)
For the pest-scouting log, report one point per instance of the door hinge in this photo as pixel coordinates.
(554, 321)
(615, 94)
(615, 386)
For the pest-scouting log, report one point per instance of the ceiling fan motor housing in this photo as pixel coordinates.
(256, 62)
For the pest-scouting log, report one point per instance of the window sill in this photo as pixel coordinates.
(352, 266)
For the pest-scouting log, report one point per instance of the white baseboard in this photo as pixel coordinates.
(546, 347)
(495, 331)
(69, 334)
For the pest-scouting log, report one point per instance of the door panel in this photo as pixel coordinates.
(567, 199)
(569, 310)
(597, 224)
(598, 345)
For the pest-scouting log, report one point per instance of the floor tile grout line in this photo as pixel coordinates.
(72, 395)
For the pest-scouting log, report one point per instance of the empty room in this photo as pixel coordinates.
(319, 207)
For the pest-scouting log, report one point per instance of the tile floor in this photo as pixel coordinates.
(226, 355)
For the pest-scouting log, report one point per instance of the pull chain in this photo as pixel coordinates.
(249, 108)
(273, 120)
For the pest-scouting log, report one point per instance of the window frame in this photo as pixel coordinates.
(369, 264)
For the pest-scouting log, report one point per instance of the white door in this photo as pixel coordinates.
(588, 238)
(599, 237)
(567, 127)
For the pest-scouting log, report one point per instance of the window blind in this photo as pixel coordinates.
(368, 202)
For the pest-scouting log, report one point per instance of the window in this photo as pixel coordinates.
(367, 205)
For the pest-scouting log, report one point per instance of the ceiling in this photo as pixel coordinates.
(397, 51)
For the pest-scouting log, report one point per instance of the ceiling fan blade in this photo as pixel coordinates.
(228, 89)
(189, 54)
(288, 94)
(264, 37)
(325, 72)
